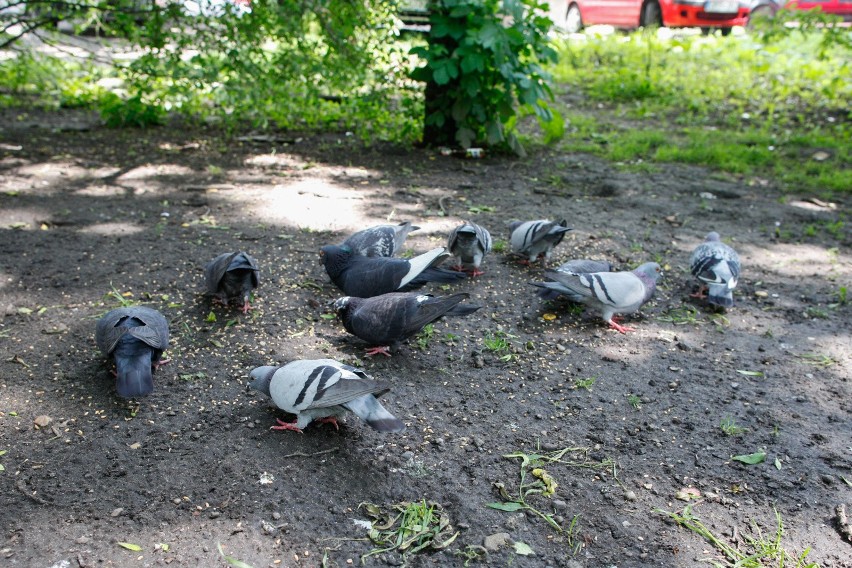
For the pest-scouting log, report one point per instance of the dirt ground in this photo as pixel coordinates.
(85, 211)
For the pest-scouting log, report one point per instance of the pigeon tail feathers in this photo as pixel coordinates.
(370, 410)
(133, 360)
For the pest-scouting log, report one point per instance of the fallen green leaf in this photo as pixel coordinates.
(163, 546)
(231, 560)
(751, 459)
(24, 311)
(328, 316)
(130, 546)
(777, 463)
(211, 317)
(523, 548)
(217, 343)
(41, 310)
(512, 506)
(750, 373)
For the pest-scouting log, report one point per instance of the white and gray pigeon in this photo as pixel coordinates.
(536, 239)
(381, 240)
(365, 277)
(469, 243)
(386, 320)
(322, 390)
(610, 292)
(232, 276)
(135, 337)
(552, 290)
(717, 267)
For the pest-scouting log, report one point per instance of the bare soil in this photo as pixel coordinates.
(85, 211)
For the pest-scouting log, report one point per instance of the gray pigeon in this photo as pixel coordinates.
(321, 390)
(381, 240)
(536, 239)
(469, 243)
(717, 267)
(610, 292)
(390, 318)
(552, 290)
(232, 276)
(135, 338)
(365, 277)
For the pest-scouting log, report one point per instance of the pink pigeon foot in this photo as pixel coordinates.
(619, 328)
(329, 420)
(524, 262)
(247, 307)
(457, 268)
(157, 364)
(381, 350)
(474, 272)
(286, 426)
(701, 294)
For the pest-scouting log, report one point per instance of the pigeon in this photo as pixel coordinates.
(717, 267)
(232, 276)
(365, 277)
(536, 239)
(135, 337)
(552, 290)
(321, 390)
(390, 318)
(469, 243)
(381, 240)
(611, 292)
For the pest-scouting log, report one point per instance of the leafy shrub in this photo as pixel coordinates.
(482, 64)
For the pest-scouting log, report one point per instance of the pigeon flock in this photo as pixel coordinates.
(380, 308)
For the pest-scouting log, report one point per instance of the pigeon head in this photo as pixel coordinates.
(651, 270)
(712, 236)
(261, 379)
(340, 304)
(335, 258)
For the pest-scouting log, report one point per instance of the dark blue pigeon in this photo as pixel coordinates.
(386, 320)
(365, 277)
(135, 337)
(232, 276)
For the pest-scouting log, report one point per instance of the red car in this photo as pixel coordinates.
(721, 14)
(842, 8)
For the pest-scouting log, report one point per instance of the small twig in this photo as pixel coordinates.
(304, 455)
(843, 522)
(20, 485)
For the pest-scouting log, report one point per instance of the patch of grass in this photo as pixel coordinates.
(817, 359)
(123, 299)
(816, 313)
(841, 297)
(759, 550)
(500, 246)
(742, 107)
(635, 401)
(408, 528)
(585, 383)
(499, 342)
(477, 209)
(425, 336)
(684, 315)
(730, 427)
(536, 481)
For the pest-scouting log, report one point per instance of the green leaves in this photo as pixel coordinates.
(484, 56)
(751, 459)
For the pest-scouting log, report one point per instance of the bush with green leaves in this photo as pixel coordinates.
(483, 67)
(293, 63)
